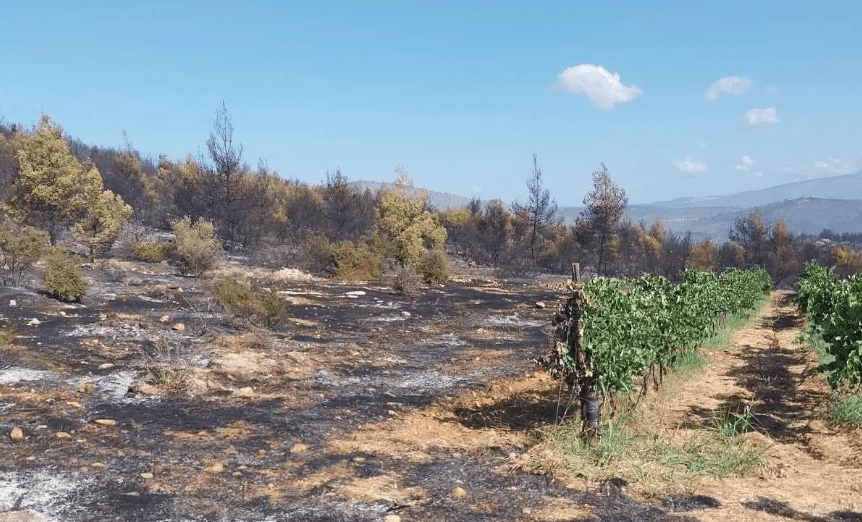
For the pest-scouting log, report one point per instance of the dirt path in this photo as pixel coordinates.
(815, 469)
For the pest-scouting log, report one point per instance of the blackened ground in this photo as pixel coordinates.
(248, 445)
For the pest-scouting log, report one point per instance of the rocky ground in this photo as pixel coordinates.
(143, 402)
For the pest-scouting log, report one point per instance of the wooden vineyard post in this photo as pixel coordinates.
(576, 272)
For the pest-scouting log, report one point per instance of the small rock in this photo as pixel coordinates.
(236, 474)
(218, 467)
(540, 305)
(62, 435)
(106, 422)
(13, 303)
(34, 322)
(247, 391)
(405, 314)
(85, 387)
(459, 493)
(391, 518)
(358, 459)
(526, 511)
(298, 448)
(165, 318)
(179, 327)
(354, 294)
(98, 465)
(147, 476)
(74, 404)
(62, 313)
(17, 433)
(106, 366)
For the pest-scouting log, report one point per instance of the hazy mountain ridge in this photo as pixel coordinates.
(809, 206)
(847, 186)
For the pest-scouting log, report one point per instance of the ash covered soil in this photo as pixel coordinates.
(144, 402)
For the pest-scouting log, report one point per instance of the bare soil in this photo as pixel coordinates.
(144, 402)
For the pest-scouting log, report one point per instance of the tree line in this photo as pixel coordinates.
(108, 200)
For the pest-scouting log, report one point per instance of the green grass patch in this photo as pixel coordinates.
(848, 411)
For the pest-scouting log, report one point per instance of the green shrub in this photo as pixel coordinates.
(406, 281)
(272, 306)
(356, 262)
(63, 276)
(152, 252)
(434, 267)
(21, 249)
(243, 301)
(197, 248)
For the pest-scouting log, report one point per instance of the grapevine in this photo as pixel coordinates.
(611, 331)
(834, 309)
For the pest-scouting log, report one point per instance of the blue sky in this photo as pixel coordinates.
(677, 99)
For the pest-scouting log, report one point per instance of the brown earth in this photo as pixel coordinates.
(144, 402)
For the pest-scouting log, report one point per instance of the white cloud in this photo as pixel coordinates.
(757, 117)
(690, 166)
(729, 85)
(833, 166)
(601, 86)
(746, 164)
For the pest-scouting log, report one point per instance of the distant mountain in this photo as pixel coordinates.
(806, 206)
(848, 186)
(802, 215)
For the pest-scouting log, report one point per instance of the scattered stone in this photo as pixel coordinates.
(247, 391)
(218, 467)
(358, 459)
(391, 518)
(298, 448)
(13, 303)
(34, 322)
(106, 366)
(62, 313)
(540, 305)
(106, 422)
(62, 435)
(85, 387)
(74, 404)
(143, 388)
(164, 318)
(179, 327)
(405, 314)
(98, 465)
(147, 476)
(354, 294)
(236, 474)
(17, 433)
(459, 493)
(526, 511)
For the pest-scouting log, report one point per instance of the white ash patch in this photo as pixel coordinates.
(513, 320)
(15, 375)
(112, 387)
(42, 491)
